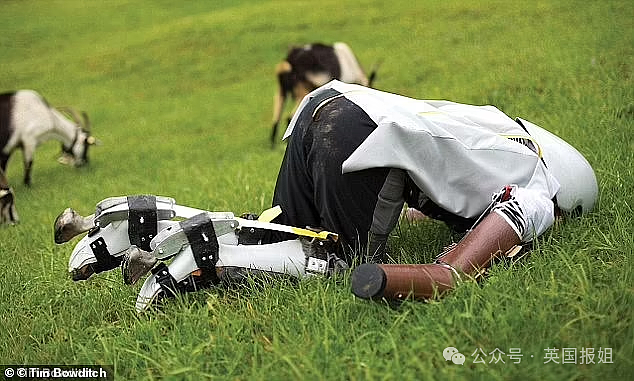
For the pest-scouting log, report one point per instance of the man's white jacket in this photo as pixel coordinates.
(458, 155)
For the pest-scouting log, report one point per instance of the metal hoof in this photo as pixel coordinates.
(135, 264)
(82, 273)
(70, 224)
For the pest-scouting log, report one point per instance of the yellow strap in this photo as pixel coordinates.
(270, 214)
(309, 233)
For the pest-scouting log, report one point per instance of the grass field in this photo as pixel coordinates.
(181, 94)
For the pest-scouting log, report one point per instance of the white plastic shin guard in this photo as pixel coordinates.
(102, 249)
(286, 257)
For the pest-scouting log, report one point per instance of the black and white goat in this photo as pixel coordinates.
(8, 214)
(26, 120)
(310, 66)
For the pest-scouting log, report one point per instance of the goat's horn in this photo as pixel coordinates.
(87, 125)
(73, 114)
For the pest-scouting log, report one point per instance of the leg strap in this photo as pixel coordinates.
(165, 280)
(105, 260)
(142, 220)
(202, 240)
(117, 208)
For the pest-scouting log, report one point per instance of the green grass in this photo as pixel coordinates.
(181, 95)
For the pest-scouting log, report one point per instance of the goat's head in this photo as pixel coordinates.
(8, 213)
(77, 153)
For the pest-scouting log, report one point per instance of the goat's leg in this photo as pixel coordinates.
(28, 152)
(27, 172)
(278, 106)
(274, 132)
(28, 165)
(4, 160)
(282, 72)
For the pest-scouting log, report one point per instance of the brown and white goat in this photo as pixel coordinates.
(8, 214)
(26, 120)
(310, 66)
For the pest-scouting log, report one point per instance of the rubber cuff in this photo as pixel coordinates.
(368, 281)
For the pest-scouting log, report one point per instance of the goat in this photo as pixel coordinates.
(310, 66)
(26, 120)
(8, 214)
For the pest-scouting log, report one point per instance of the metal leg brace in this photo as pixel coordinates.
(200, 244)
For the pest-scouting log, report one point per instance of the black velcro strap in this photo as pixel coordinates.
(105, 261)
(171, 288)
(202, 240)
(165, 280)
(142, 220)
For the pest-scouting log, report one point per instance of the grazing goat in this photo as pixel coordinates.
(310, 66)
(8, 213)
(26, 120)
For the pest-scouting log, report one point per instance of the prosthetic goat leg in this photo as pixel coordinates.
(202, 258)
(488, 240)
(117, 224)
(138, 233)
